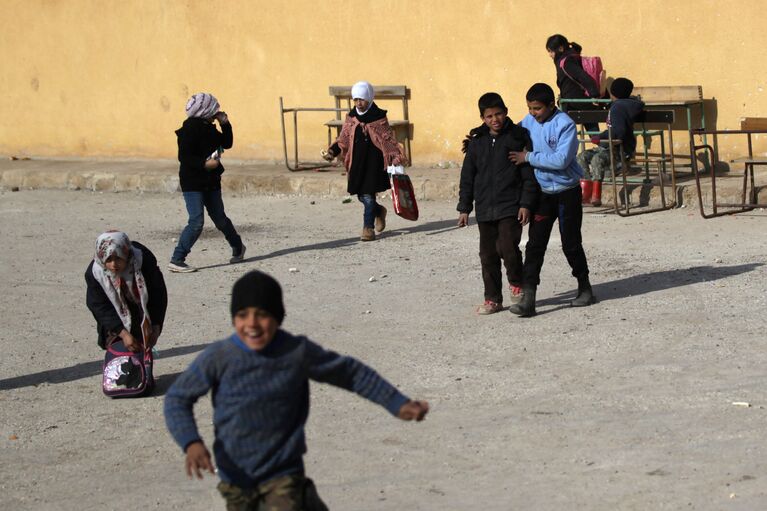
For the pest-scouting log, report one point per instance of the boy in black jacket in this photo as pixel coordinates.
(624, 110)
(200, 146)
(504, 193)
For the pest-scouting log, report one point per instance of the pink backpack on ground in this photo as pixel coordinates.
(593, 68)
(127, 373)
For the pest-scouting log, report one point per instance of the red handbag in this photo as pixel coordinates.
(403, 196)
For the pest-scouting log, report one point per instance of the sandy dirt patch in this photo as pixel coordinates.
(623, 405)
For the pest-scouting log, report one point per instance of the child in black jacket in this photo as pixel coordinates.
(200, 146)
(126, 292)
(595, 162)
(504, 194)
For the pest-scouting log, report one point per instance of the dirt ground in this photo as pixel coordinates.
(627, 404)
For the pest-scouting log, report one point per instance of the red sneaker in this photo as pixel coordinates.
(489, 308)
(516, 293)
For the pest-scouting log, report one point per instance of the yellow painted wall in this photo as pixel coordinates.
(110, 78)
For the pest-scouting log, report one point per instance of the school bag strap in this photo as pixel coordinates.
(595, 72)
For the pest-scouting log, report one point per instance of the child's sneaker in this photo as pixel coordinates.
(180, 267)
(489, 308)
(516, 293)
(237, 255)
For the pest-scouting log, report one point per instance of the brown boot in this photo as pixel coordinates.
(368, 234)
(381, 219)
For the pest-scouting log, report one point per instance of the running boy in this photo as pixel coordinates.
(259, 377)
(553, 158)
(504, 193)
(200, 146)
(595, 162)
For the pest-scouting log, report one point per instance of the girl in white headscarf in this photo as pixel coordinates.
(126, 292)
(367, 145)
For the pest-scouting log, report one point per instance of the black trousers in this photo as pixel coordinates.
(565, 207)
(499, 239)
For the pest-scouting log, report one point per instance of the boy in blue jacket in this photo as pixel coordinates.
(555, 145)
(259, 379)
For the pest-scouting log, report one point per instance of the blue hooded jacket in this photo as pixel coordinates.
(555, 144)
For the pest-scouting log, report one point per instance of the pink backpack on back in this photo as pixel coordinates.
(593, 68)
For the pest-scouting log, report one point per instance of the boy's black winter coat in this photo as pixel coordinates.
(490, 180)
(197, 139)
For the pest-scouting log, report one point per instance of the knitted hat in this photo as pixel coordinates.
(363, 90)
(621, 88)
(202, 105)
(257, 289)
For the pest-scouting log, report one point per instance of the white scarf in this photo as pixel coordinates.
(117, 244)
(363, 90)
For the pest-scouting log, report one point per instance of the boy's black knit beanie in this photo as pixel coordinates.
(257, 289)
(621, 88)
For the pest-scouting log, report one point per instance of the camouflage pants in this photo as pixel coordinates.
(596, 163)
(287, 493)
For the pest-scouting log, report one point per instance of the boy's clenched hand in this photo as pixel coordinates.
(523, 216)
(198, 460)
(463, 220)
(413, 410)
(517, 157)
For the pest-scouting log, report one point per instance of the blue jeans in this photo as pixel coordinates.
(371, 209)
(196, 202)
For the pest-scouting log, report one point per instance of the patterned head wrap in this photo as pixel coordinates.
(113, 243)
(127, 285)
(202, 105)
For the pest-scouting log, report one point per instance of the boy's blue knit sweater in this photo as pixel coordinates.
(555, 144)
(261, 402)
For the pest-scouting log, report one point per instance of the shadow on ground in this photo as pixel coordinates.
(649, 283)
(88, 369)
(430, 228)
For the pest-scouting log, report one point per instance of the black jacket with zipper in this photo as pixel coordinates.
(490, 181)
(197, 139)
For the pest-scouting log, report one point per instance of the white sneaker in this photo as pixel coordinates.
(180, 267)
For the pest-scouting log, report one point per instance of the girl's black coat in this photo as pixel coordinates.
(107, 319)
(491, 181)
(368, 175)
(197, 139)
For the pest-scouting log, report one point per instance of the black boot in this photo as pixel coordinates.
(526, 307)
(585, 294)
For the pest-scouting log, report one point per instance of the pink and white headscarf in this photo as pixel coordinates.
(117, 243)
(202, 105)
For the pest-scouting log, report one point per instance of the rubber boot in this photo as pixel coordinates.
(596, 194)
(526, 307)
(585, 294)
(586, 191)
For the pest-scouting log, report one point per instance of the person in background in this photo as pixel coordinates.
(367, 145)
(595, 162)
(200, 146)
